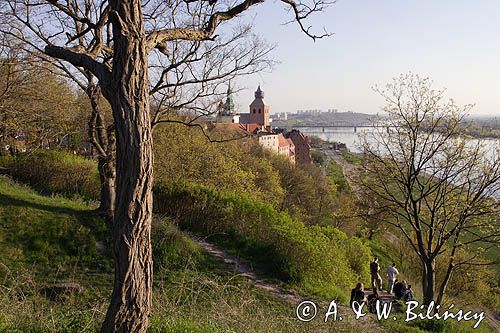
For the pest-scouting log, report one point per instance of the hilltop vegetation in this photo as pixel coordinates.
(281, 217)
(48, 240)
(303, 227)
(320, 260)
(242, 166)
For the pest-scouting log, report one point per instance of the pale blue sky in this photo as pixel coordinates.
(454, 42)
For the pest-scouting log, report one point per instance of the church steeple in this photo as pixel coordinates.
(259, 93)
(229, 105)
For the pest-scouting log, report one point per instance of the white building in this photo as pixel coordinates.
(269, 141)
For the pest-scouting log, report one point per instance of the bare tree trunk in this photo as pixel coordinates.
(446, 279)
(103, 140)
(129, 98)
(429, 280)
(371, 233)
(107, 174)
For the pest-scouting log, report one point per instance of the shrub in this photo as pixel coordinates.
(318, 157)
(336, 174)
(59, 172)
(171, 248)
(317, 258)
(242, 165)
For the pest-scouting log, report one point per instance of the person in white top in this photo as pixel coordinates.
(392, 274)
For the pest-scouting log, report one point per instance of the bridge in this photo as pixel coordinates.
(355, 127)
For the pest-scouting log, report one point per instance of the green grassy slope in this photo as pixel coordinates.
(45, 241)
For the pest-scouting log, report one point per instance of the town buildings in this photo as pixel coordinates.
(294, 145)
(302, 147)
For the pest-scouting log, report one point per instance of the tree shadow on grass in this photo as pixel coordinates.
(45, 231)
(7, 200)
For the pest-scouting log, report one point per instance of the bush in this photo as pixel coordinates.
(317, 258)
(241, 166)
(58, 172)
(336, 174)
(352, 158)
(318, 157)
(172, 249)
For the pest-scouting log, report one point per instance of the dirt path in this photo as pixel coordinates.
(349, 171)
(368, 322)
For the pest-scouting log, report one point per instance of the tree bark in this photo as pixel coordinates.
(130, 304)
(103, 140)
(106, 167)
(446, 279)
(428, 280)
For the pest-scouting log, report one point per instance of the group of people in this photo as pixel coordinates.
(392, 273)
(400, 289)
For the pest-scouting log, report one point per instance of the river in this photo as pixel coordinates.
(350, 136)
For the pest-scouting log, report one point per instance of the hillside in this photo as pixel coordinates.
(46, 241)
(325, 118)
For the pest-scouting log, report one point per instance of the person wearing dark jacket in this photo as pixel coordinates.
(357, 294)
(374, 270)
(372, 299)
(399, 289)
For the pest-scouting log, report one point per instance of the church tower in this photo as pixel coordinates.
(229, 105)
(259, 110)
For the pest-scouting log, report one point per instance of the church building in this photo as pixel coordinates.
(259, 111)
(291, 145)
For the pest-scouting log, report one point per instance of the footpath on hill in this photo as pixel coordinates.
(366, 323)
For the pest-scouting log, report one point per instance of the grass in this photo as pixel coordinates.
(437, 326)
(48, 234)
(336, 174)
(352, 158)
(47, 240)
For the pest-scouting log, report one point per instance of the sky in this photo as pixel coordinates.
(456, 43)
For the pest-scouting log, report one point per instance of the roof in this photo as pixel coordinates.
(259, 93)
(266, 133)
(251, 128)
(258, 102)
(298, 137)
(282, 142)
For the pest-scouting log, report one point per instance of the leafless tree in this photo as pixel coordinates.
(120, 38)
(186, 75)
(440, 189)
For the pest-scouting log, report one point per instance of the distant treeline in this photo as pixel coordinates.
(487, 127)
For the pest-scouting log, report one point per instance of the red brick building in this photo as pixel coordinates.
(294, 145)
(302, 147)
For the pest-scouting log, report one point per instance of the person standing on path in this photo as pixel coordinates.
(392, 274)
(374, 270)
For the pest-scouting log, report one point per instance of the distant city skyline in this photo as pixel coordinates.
(455, 43)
